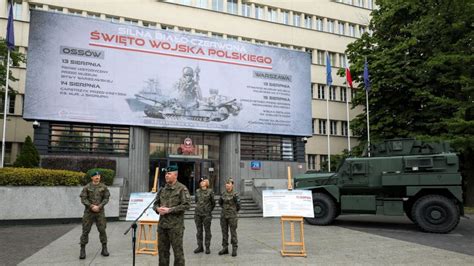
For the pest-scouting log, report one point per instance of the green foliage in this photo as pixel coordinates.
(421, 63)
(107, 175)
(29, 156)
(16, 59)
(79, 163)
(336, 160)
(39, 177)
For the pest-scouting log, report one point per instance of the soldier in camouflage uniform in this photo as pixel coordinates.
(171, 202)
(94, 196)
(203, 215)
(230, 203)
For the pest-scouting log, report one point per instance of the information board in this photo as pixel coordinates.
(284, 202)
(137, 203)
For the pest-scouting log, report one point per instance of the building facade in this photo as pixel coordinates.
(314, 27)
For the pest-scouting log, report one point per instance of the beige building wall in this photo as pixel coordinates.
(316, 27)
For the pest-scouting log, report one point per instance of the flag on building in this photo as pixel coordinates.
(366, 76)
(348, 77)
(10, 34)
(328, 70)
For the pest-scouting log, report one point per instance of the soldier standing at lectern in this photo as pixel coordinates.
(94, 196)
(171, 202)
(205, 203)
(230, 203)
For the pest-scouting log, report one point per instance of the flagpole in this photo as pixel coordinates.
(5, 109)
(368, 122)
(348, 122)
(328, 129)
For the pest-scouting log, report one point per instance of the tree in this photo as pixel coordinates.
(421, 62)
(16, 59)
(29, 156)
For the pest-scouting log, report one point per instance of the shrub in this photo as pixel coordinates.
(29, 156)
(39, 177)
(80, 164)
(107, 175)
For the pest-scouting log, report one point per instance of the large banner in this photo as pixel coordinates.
(89, 70)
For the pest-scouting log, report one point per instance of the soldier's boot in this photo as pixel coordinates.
(208, 250)
(234, 251)
(224, 251)
(82, 255)
(104, 252)
(199, 249)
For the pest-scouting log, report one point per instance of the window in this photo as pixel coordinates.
(370, 4)
(217, 35)
(166, 27)
(17, 10)
(333, 127)
(332, 93)
(259, 12)
(285, 17)
(272, 15)
(75, 12)
(312, 161)
(131, 21)
(201, 3)
(184, 29)
(201, 33)
(296, 19)
(362, 30)
(93, 15)
(343, 94)
(332, 58)
(320, 58)
(344, 128)
(56, 9)
(352, 30)
(360, 3)
(149, 24)
(112, 18)
(322, 126)
(323, 159)
(341, 27)
(8, 153)
(267, 147)
(321, 92)
(218, 5)
(245, 10)
(232, 6)
(86, 138)
(319, 24)
(342, 60)
(232, 37)
(353, 94)
(313, 121)
(308, 21)
(331, 26)
(186, 2)
(11, 103)
(36, 6)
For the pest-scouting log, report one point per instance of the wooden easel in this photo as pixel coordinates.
(292, 220)
(147, 243)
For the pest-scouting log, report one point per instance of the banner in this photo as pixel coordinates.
(137, 203)
(94, 71)
(282, 202)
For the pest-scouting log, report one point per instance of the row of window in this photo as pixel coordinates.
(336, 93)
(359, 3)
(286, 17)
(267, 147)
(337, 128)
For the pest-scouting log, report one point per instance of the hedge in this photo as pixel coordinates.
(80, 164)
(107, 175)
(11, 176)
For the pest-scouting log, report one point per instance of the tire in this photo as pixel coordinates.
(435, 214)
(324, 210)
(408, 211)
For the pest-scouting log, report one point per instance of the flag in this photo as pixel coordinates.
(366, 76)
(328, 70)
(348, 77)
(10, 35)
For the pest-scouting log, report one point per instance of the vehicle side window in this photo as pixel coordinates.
(358, 168)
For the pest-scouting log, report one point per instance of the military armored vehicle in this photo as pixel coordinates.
(403, 176)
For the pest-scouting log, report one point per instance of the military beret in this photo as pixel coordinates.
(96, 173)
(229, 180)
(172, 168)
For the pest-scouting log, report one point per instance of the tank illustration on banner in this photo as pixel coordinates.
(189, 105)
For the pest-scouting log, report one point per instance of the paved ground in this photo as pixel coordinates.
(353, 240)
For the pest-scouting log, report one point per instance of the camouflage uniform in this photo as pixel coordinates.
(203, 215)
(94, 195)
(230, 203)
(171, 225)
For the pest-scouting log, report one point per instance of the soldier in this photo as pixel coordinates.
(203, 215)
(171, 202)
(188, 88)
(230, 203)
(94, 196)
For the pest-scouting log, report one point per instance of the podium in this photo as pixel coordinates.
(147, 238)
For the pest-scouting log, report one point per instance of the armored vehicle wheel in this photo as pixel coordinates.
(435, 214)
(408, 211)
(324, 210)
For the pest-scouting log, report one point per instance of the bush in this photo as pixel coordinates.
(39, 177)
(107, 175)
(29, 156)
(80, 164)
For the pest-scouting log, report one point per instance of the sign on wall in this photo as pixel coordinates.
(94, 71)
(283, 202)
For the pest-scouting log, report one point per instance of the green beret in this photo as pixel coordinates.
(172, 168)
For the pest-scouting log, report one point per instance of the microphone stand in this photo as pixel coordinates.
(134, 231)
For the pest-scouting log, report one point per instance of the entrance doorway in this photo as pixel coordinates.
(186, 174)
